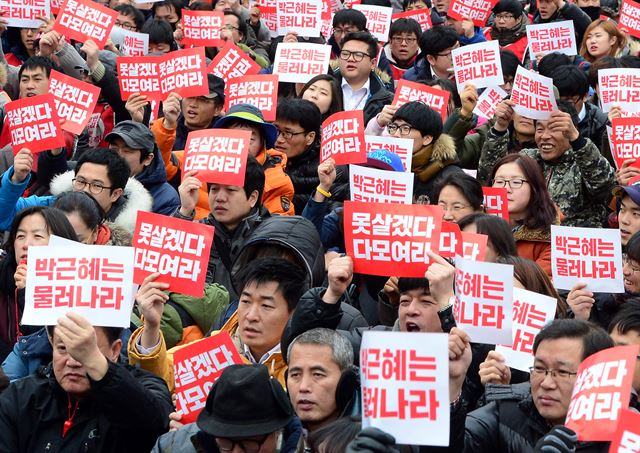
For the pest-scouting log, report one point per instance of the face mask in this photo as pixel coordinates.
(592, 11)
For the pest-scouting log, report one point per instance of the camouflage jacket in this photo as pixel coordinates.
(580, 181)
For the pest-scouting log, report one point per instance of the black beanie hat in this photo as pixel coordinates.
(508, 6)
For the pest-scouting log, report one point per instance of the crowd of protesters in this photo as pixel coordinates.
(278, 279)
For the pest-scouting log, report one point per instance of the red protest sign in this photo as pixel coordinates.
(379, 240)
(258, 90)
(176, 248)
(84, 19)
(343, 138)
(476, 10)
(474, 246)
(197, 367)
(629, 20)
(627, 437)
(624, 140)
(20, 13)
(219, 155)
(232, 62)
(34, 123)
(601, 391)
(422, 16)
(202, 28)
(477, 64)
(495, 201)
(74, 99)
(450, 240)
(407, 91)
(300, 16)
(183, 71)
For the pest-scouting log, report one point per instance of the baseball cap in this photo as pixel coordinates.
(216, 87)
(633, 191)
(384, 159)
(135, 135)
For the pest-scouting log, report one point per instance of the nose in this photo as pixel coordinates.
(626, 269)
(304, 383)
(73, 363)
(448, 216)
(548, 381)
(252, 313)
(413, 308)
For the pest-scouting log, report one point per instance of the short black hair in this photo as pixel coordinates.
(37, 62)
(594, 338)
(466, 184)
(112, 333)
(627, 319)
(177, 6)
(300, 111)
(568, 107)
(405, 25)
(130, 10)
(84, 205)
(421, 117)
(365, 37)
(118, 170)
(551, 61)
(632, 249)
(159, 32)
(253, 179)
(407, 3)
(406, 284)
(509, 62)
(437, 39)
(349, 16)
(570, 80)
(602, 63)
(290, 277)
(496, 228)
(630, 61)
(242, 25)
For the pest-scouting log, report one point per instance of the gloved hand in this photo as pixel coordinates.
(372, 440)
(559, 440)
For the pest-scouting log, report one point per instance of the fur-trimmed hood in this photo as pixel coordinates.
(124, 211)
(444, 149)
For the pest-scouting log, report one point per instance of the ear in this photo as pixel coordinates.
(431, 60)
(94, 235)
(117, 193)
(217, 109)
(148, 160)
(427, 140)
(253, 198)
(114, 350)
(310, 137)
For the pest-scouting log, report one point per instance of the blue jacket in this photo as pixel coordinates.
(475, 39)
(421, 70)
(154, 179)
(12, 202)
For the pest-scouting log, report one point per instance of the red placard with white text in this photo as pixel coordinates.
(182, 71)
(531, 311)
(202, 28)
(74, 99)
(300, 16)
(629, 20)
(589, 255)
(380, 239)
(450, 240)
(488, 102)
(405, 385)
(20, 13)
(495, 201)
(219, 155)
(559, 37)
(422, 16)
(407, 91)
(85, 19)
(619, 87)
(474, 246)
(34, 123)
(477, 64)
(343, 138)
(55, 6)
(299, 62)
(484, 300)
(476, 10)
(91, 280)
(258, 90)
(627, 436)
(176, 248)
(380, 186)
(232, 62)
(532, 95)
(624, 140)
(601, 391)
(196, 367)
(402, 147)
(378, 20)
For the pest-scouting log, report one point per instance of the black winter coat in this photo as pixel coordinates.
(126, 411)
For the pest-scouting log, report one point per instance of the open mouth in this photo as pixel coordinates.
(412, 327)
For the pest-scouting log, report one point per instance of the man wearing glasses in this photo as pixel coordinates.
(402, 49)
(435, 60)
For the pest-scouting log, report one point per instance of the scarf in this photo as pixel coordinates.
(422, 165)
(506, 37)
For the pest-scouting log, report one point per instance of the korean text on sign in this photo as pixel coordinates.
(258, 90)
(85, 19)
(495, 201)
(232, 62)
(300, 16)
(196, 367)
(532, 95)
(21, 13)
(478, 64)
(484, 294)
(176, 248)
(627, 437)
(74, 99)
(476, 10)
(589, 255)
(402, 147)
(601, 391)
(343, 138)
(488, 101)
(91, 280)
(531, 311)
(422, 16)
(299, 62)
(624, 140)
(450, 240)
(630, 18)
(378, 20)
(380, 186)
(202, 28)
(619, 87)
(219, 155)
(557, 37)
(34, 123)
(405, 385)
(380, 241)
(131, 43)
(408, 91)
(474, 246)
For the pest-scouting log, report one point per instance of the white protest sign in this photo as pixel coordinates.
(619, 87)
(559, 37)
(300, 16)
(91, 280)
(484, 300)
(532, 95)
(488, 101)
(24, 14)
(299, 62)
(380, 186)
(477, 64)
(405, 385)
(531, 311)
(589, 255)
(378, 20)
(130, 42)
(402, 147)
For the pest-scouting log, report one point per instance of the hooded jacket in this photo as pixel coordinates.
(154, 179)
(431, 163)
